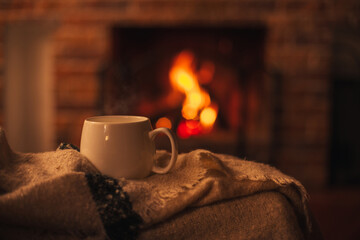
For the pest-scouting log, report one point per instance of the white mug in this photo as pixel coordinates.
(123, 146)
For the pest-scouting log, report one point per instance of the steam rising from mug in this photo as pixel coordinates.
(123, 146)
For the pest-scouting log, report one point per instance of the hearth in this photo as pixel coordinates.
(206, 83)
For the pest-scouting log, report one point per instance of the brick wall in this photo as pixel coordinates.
(298, 49)
(80, 51)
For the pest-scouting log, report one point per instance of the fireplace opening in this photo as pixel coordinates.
(205, 83)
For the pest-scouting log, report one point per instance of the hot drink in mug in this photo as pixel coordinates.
(123, 146)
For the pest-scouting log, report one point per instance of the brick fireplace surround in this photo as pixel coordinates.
(297, 49)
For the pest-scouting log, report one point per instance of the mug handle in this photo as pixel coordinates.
(174, 149)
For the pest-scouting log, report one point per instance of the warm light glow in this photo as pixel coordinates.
(188, 112)
(193, 127)
(182, 130)
(184, 79)
(163, 122)
(188, 128)
(194, 99)
(205, 98)
(208, 116)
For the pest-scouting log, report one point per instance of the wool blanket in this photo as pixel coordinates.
(61, 195)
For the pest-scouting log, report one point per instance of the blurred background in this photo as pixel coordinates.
(272, 81)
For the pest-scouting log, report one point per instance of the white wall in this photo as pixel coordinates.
(29, 95)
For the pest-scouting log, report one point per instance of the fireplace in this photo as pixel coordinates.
(205, 82)
(277, 54)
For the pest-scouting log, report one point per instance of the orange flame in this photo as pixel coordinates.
(197, 105)
(163, 122)
(208, 116)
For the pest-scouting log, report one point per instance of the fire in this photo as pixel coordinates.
(208, 116)
(163, 122)
(197, 109)
(183, 80)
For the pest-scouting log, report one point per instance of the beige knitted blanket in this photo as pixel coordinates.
(59, 194)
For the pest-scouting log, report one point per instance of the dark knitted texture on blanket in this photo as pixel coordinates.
(63, 146)
(113, 204)
(114, 207)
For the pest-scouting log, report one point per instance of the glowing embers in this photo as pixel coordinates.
(198, 112)
(164, 122)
